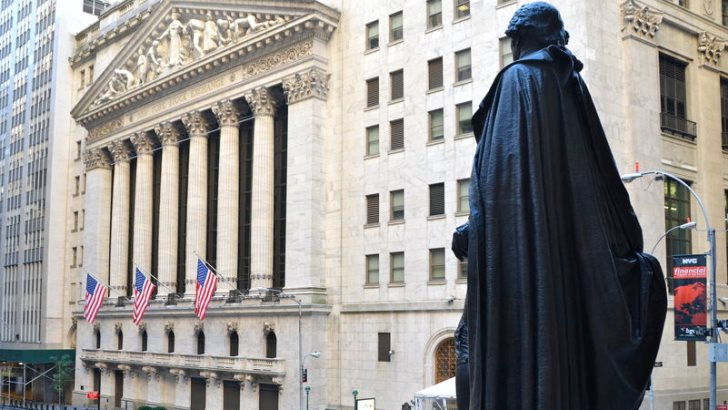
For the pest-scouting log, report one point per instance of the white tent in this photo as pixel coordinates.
(438, 397)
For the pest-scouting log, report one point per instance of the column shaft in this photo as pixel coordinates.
(97, 234)
(143, 202)
(168, 208)
(120, 220)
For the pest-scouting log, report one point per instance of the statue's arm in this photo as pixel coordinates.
(460, 241)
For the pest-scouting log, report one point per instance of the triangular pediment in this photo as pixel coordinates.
(182, 39)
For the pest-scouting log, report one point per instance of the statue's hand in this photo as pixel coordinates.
(460, 241)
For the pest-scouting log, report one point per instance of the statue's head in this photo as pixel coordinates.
(535, 26)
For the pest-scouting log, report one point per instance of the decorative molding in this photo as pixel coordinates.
(232, 327)
(168, 327)
(307, 84)
(199, 327)
(97, 327)
(180, 375)
(104, 129)
(709, 7)
(168, 133)
(120, 152)
(260, 101)
(710, 47)
(96, 159)
(142, 327)
(227, 113)
(143, 143)
(268, 328)
(641, 19)
(118, 327)
(196, 124)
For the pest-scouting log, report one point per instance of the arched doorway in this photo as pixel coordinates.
(445, 361)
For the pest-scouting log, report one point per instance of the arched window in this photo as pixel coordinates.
(445, 362)
(234, 343)
(201, 342)
(97, 333)
(170, 342)
(120, 340)
(271, 345)
(144, 340)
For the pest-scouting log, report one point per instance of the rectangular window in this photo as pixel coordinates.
(75, 221)
(94, 7)
(397, 205)
(706, 404)
(463, 70)
(83, 218)
(437, 199)
(78, 150)
(437, 264)
(691, 353)
(724, 11)
(373, 140)
(373, 92)
(506, 54)
(434, 72)
(74, 256)
(396, 135)
(83, 78)
(464, 195)
(396, 263)
(694, 404)
(385, 347)
(80, 257)
(677, 212)
(463, 269)
(464, 113)
(682, 3)
(462, 8)
(90, 73)
(437, 132)
(673, 99)
(372, 269)
(724, 112)
(373, 35)
(77, 185)
(397, 82)
(83, 185)
(678, 405)
(434, 13)
(373, 209)
(396, 28)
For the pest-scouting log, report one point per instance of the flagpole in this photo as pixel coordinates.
(214, 272)
(158, 282)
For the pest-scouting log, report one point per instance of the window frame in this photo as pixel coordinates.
(679, 241)
(400, 123)
(460, 185)
(369, 38)
(392, 211)
(372, 214)
(369, 271)
(431, 127)
(434, 20)
(396, 78)
(459, 130)
(439, 252)
(371, 143)
(433, 84)
(372, 93)
(459, 14)
(393, 29)
(384, 346)
(433, 204)
(459, 69)
(392, 268)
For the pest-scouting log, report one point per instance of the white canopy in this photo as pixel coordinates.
(444, 390)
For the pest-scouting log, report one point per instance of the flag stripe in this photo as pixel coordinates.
(204, 289)
(143, 289)
(95, 294)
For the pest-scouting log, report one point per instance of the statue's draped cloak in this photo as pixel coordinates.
(565, 311)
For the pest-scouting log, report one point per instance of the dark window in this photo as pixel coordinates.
(373, 35)
(434, 73)
(673, 98)
(434, 13)
(385, 347)
(396, 31)
(463, 68)
(682, 3)
(437, 199)
(691, 353)
(372, 270)
(234, 343)
(94, 7)
(724, 11)
(144, 340)
(437, 264)
(373, 140)
(271, 345)
(373, 209)
(462, 8)
(170, 342)
(373, 92)
(694, 404)
(396, 205)
(279, 212)
(678, 405)
(706, 404)
(97, 379)
(464, 114)
(445, 361)
(396, 135)
(724, 112)
(397, 79)
(120, 340)
(201, 342)
(97, 333)
(677, 212)
(396, 267)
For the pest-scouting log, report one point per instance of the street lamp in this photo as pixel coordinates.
(713, 339)
(282, 294)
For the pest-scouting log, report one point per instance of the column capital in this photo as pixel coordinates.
(260, 101)
(143, 142)
(96, 159)
(306, 84)
(196, 124)
(168, 133)
(227, 113)
(120, 152)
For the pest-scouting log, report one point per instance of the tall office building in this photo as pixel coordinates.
(323, 148)
(35, 43)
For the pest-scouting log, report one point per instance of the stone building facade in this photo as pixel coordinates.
(323, 148)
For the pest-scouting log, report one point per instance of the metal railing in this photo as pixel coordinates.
(679, 126)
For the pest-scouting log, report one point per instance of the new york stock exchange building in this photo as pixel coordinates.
(315, 155)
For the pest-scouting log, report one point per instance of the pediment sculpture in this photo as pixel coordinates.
(183, 40)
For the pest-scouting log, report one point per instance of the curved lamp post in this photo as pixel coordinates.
(713, 334)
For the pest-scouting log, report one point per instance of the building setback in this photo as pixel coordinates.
(322, 149)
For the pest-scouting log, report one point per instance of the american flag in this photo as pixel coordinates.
(204, 289)
(95, 294)
(143, 289)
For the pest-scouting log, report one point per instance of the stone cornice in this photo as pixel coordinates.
(260, 101)
(227, 113)
(96, 159)
(307, 84)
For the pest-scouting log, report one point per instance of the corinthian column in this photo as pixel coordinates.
(168, 207)
(143, 196)
(261, 225)
(98, 214)
(197, 128)
(228, 192)
(120, 219)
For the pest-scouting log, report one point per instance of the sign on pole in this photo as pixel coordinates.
(689, 274)
(365, 404)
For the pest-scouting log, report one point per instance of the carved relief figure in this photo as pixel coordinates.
(225, 26)
(142, 66)
(211, 40)
(244, 26)
(154, 61)
(174, 32)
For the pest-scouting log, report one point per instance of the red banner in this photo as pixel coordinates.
(92, 395)
(689, 275)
